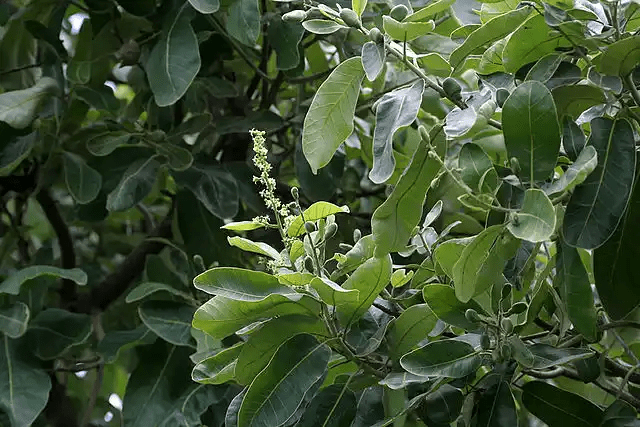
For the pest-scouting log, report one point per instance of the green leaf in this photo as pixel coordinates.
(53, 331)
(574, 99)
(83, 182)
(333, 294)
(559, 408)
(214, 186)
(314, 212)
(358, 6)
(400, 380)
(369, 279)
(100, 98)
(395, 110)
(373, 59)
(243, 22)
(14, 152)
(321, 26)
(615, 264)
(243, 226)
(188, 408)
(178, 158)
(116, 341)
(24, 387)
(393, 222)
(448, 253)
(205, 6)
(546, 356)
(445, 358)
(406, 30)
(285, 38)
(218, 368)
(240, 284)
(545, 68)
(222, 316)
(496, 407)
(477, 169)
(492, 30)
(536, 219)
(575, 174)
(482, 262)
(263, 343)
(530, 42)
(103, 141)
(135, 185)
(277, 391)
(19, 107)
(573, 139)
(430, 10)
(333, 406)
(12, 284)
(145, 289)
(410, 328)
(174, 61)
(531, 130)
(596, 206)
(14, 319)
(361, 251)
(620, 58)
(329, 120)
(170, 320)
(48, 35)
(442, 300)
(79, 69)
(255, 247)
(443, 406)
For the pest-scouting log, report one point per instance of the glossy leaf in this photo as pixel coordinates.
(278, 390)
(368, 279)
(14, 319)
(393, 222)
(575, 99)
(621, 57)
(496, 407)
(255, 247)
(243, 22)
(14, 152)
(314, 212)
(135, 185)
(395, 110)
(170, 320)
(430, 10)
(546, 356)
(321, 26)
(333, 406)
(214, 187)
(477, 169)
(597, 205)
(531, 130)
(536, 219)
(240, 284)
(24, 387)
(145, 289)
(174, 61)
(54, 330)
(559, 408)
(410, 328)
(218, 368)
(12, 284)
(373, 59)
(329, 121)
(205, 6)
(573, 139)
(492, 30)
(18, 108)
(83, 182)
(444, 304)
(584, 164)
(445, 358)
(406, 30)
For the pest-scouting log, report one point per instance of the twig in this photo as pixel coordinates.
(22, 68)
(628, 82)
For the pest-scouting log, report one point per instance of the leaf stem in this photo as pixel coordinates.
(628, 82)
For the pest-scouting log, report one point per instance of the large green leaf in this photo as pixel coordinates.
(285, 38)
(260, 248)
(448, 253)
(19, 107)
(492, 30)
(214, 186)
(406, 30)
(584, 164)
(369, 279)
(240, 284)
(262, 344)
(333, 406)
(621, 57)
(615, 264)
(145, 289)
(243, 22)
(531, 130)
(573, 139)
(333, 294)
(559, 408)
(12, 284)
(174, 61)
(205, 6)
(496, 407)
(170, 320)
(482, 262)
(53, 331)
(477, 169)
(24, 387)
(443, 406)
(83, 182)
(430, 10)
(444, 304)
(396, 109)
(218, 368)
(102, 141)
(14, 319)
(329, 121)
(15, 151)
(544, 356)
(575, 290)
(314, 212)
(222, 316)
(445, 358)
(574, 99)
(596, 206)
(135, 185)
(192, 404)
(116, 341)
(394, 221)
(536, 219)
(410, 328)
(275, 394)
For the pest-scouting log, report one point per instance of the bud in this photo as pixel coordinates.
(505, 351)
(129, 53)
(345, 246)
(506, 291)
(375, 35)
(331, 229)
(485, 341)
(357, 235)
(199, 262)
(309, 226)
(295, 16)
(515, 165)
(157, 135)
(295, 193)
(501, 96)
(452, 88)
(399, 12)
(517, 308)
(507, 325)
(424, 134)
(472, 315)
(308, 263)
(350, 18)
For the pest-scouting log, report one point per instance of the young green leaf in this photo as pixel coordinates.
(373, 57)
(255, 247)
(329, 121)
(240, 284)
(406, 30)
(333, 294)
(430, 10)
(314, 212)
(321, 26)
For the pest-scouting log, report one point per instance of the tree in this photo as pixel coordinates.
(440, 230)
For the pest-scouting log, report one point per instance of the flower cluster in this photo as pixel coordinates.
(269, 184)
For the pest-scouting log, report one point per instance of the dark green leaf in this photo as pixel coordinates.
(103, 142)
(219, 368)
(53, 331)
(399, 380)
(100, 98)
(12, 284)
(442, 406)
(83, 182)
(79, 69)
(545, 68)
(596, 206)
(170, 320)
(573, 139)
(573, 100)
(620, 58)
(445, 358)
(444, 304)
(410, 328)
(285, 38)
(18, 108)
(216, 188)
(15, 151)
(333, 406)
(116, 341)
(496, 407)
(546, 356)
(477, 170)
(559, 408)
(205, 6)
(243, 22)
(148, 288)
(369, 279)
(135, 185)
(14, 319)
(584, 164)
